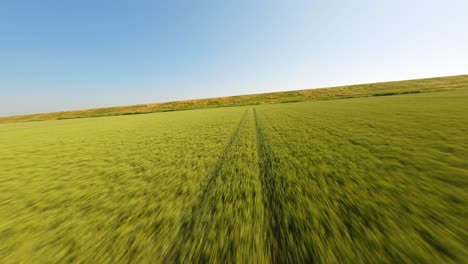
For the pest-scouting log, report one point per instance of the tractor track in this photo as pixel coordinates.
(186, 232)
(271, 183)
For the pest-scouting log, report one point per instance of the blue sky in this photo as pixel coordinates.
(64, 54)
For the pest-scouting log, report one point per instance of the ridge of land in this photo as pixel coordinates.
(339, 92)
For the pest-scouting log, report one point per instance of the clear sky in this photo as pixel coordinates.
(74, 54)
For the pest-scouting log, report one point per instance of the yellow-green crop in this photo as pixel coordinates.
(366, 180)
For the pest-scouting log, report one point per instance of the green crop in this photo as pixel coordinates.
(379, 179)
(341, 92)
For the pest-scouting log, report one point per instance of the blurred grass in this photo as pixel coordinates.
(103, 190)
(378, 179)
(341, 92)
(370, 179)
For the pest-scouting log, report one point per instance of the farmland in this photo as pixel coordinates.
(370, 179)
(427, 85)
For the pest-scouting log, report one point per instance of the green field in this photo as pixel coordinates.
(427, 85)
(378, 179)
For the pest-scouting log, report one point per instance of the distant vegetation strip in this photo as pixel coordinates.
(341, 92)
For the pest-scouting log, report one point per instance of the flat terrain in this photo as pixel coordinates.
(341, 92)
(378, 179)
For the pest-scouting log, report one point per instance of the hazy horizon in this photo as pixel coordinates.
(198, 98)
(57, 56)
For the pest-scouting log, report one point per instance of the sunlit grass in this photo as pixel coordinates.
(341, 92)
(377, 179)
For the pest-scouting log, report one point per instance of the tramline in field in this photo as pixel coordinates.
(335, 181)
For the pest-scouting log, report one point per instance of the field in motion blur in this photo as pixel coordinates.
(377, 179)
